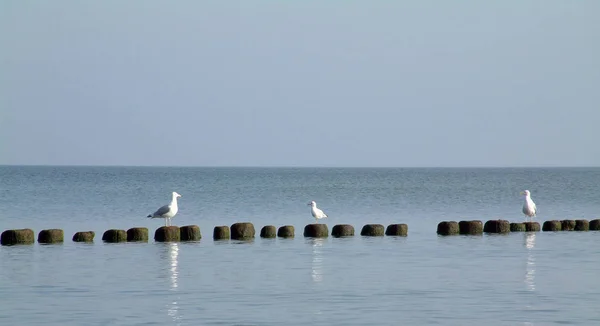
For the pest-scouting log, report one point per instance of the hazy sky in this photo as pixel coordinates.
(300, 83)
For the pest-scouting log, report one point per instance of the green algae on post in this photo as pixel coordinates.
(342, 230)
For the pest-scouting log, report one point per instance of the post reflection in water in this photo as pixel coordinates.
(317, 259)
(530, 269)
(173, 307)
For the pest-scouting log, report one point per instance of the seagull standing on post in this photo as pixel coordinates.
(529, 208)
(168, 211)
(316, 213)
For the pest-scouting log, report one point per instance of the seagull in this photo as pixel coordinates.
(316, 213)
(167, 211)
(529, 208)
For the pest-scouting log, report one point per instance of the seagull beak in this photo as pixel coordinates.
(521, 193)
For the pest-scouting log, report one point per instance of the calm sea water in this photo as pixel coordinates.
(517, 279)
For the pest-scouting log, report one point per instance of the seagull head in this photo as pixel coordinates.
(312, 203)
(526, 193)
(176, 195)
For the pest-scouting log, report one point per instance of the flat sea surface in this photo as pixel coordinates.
(540, 278)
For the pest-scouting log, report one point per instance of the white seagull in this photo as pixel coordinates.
(168, 211)
(529, 208)
(316, 213)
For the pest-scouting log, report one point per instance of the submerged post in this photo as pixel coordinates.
(84, 236)
(518, 227)
(552, 226)
(447, 228)
(286, 231)
(532, 226)
(19, 236)
(372, 230)
(316, 231)
(51, 236)
(114, 235)
(400, 230)
(582, 225)
(342, 230)
(496, 226)
(268, 231)
(470, 227)
(242, 231)
(190, 233)
(167, 234)
(137, 235)
(221, 232)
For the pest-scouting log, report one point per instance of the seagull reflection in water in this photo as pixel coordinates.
(530, 270)
(317, 259)
(173, 307)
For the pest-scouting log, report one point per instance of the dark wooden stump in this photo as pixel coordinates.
(568, 225)
(84, 236)
(447, 228)
(242, 231)
(496, 226)
(316, 231)
(18, 236)
(342, 230)
(268, 231)
(167, 234)
(373, 230)
(470, 227)
(221, 232)
(190, 233)
(51, 236)
(582, 225)
(114, 235)
(400, 230)
(552, 226)
(517, 227)
(532, 226)
(137, 235)
(286, 231)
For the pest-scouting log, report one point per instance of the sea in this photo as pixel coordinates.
(541, 278)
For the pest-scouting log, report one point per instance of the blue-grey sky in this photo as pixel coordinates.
(300, 83)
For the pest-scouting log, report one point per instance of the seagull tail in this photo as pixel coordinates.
(150, 216)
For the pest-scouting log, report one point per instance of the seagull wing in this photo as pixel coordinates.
(162, 211)
(321, 213)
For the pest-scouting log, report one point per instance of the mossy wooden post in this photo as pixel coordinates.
(137, 235)
(532, 226)
(373, 230)
(470, 227)
(342, 230)
(568, 225)
(582, 225)
(268, 231)
(190, 233)
(18, 236)
(595, 225)
(242, 231)
(517, 227)
(84, 236)
(286, 231)
(114, 235)
(447, 228)
(400, 230)
(316, 230)
(167, 234)
(51, 236)
(552, 226)
(221, 232)
(496, 226)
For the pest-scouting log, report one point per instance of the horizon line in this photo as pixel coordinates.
(307, 166)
